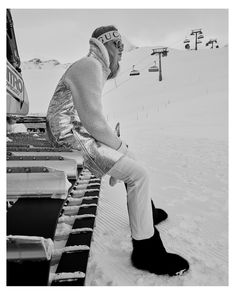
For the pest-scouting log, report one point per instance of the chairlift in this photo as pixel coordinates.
(198, 42)
(164, 54)
(134, 72)
(187, 46)
(186, 40)
(153, 68)
(200, 36)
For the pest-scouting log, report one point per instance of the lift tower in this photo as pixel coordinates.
(198, 35)
(162, 51)
(211, 42)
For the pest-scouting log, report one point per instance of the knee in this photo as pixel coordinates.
(141, 174)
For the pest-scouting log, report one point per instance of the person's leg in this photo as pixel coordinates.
(148, 250)
(139, 202)
(158, 215)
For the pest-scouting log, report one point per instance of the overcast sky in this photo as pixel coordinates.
(63, 34)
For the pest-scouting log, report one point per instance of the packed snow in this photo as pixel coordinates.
(179, 129)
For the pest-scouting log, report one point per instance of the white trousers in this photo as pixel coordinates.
(139, 203)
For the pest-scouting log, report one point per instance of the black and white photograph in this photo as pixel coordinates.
(117, 146)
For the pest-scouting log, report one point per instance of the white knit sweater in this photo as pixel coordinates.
(75, 116)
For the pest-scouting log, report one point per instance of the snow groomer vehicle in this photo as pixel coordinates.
(51, 198)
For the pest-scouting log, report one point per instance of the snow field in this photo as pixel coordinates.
(178, 129)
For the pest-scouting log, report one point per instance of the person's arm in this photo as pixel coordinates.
(85, 80)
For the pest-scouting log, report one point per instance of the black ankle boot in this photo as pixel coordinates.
(159, 215)
(150, 254)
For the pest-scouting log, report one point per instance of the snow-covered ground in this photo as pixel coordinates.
(179, 129)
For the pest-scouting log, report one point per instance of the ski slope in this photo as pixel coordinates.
(179, 129)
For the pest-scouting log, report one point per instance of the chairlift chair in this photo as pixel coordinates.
(164, 54)
(200, 36)
(186, 40)
(153, 68)
(134, 72)
(187, 46)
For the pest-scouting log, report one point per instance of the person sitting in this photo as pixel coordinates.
(75, 119)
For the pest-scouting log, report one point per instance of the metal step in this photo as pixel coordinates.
(69, 166)
(36, 182)
(75, 155)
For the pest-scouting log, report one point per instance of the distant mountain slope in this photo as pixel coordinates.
(37, 63)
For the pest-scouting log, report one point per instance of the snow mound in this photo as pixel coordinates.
(37, 63)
